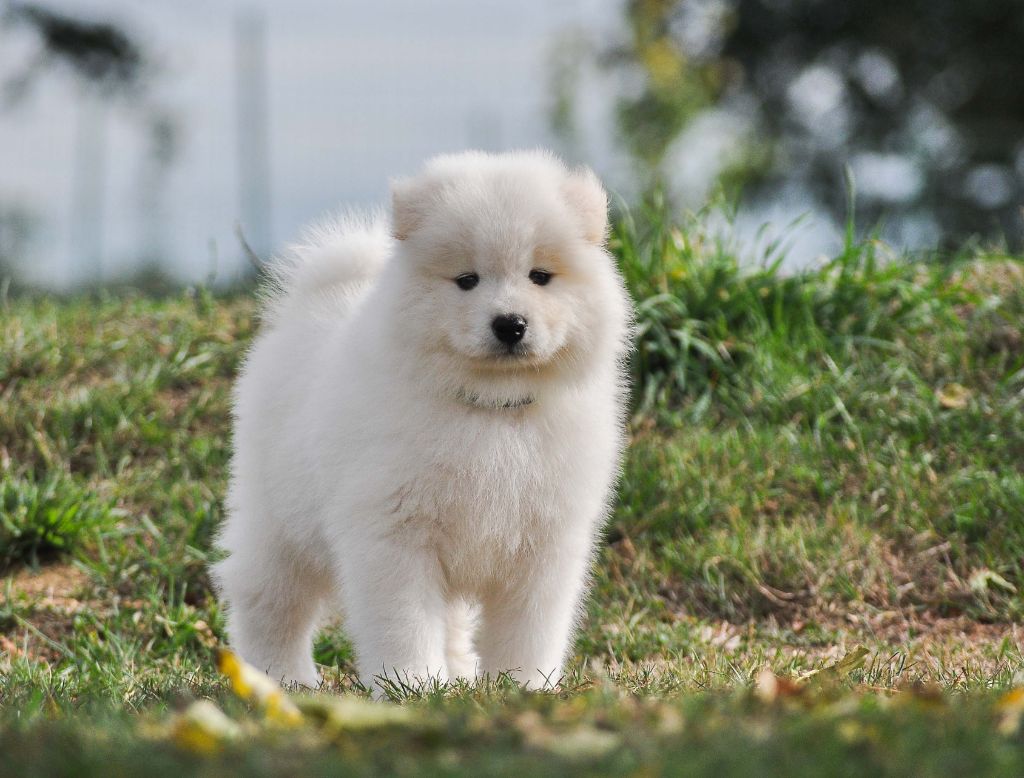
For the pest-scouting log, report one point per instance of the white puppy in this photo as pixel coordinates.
(428, 428)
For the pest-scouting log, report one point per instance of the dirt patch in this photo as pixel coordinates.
(58, 583)
(55, 594)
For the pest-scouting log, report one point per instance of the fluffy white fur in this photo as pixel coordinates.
(394, 462)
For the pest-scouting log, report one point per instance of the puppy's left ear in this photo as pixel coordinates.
(407, 206)
(587, 198)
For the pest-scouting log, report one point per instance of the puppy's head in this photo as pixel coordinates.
(505, 263)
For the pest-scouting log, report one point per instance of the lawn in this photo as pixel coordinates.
(823, 465)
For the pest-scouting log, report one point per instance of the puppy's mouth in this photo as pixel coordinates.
(513, 351)
(503, 358)
(511, 360)
(497, 357)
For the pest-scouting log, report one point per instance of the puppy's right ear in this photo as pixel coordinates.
(407, 206)
(588, 199)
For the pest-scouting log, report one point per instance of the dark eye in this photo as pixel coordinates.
(467, 281)
(540, 277)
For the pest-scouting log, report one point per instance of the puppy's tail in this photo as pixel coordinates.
(329, 268)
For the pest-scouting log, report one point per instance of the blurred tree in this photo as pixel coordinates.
(672, 82)
(922, 98)
(98, 52)
(108, 64)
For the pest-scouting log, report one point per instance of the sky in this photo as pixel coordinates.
(357, 93)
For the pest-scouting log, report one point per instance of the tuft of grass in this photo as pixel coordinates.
(41, 520)
(713, 326)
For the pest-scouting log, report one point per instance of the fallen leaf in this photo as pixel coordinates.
(769, 687)
(1010, 709)
(203, 728)
(581, 743)
(954, 396)
(254, 686)
(982, 580)
(837, 672)
(354, 713)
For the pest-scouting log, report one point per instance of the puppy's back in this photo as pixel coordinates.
(321, 276)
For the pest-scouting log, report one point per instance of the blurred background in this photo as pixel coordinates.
(138, 141)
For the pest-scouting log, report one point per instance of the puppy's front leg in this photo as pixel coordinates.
(395, 611)
(528, 620)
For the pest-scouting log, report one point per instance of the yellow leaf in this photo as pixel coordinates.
(254, 686)
(954, 396)
(581, 743)
(984, 579)
(852, 661)
(203, 728)
(354, 713)
(1010, 709)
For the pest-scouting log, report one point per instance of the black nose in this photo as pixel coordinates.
(509, 328)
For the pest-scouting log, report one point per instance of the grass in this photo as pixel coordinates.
(819, 462)
(41, 520)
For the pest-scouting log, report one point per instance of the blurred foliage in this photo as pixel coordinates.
(677, 83)
(101, 53)
(921, 97)
(109, 65)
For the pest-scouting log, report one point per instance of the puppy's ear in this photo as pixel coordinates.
(408, 202)
(587, 198)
